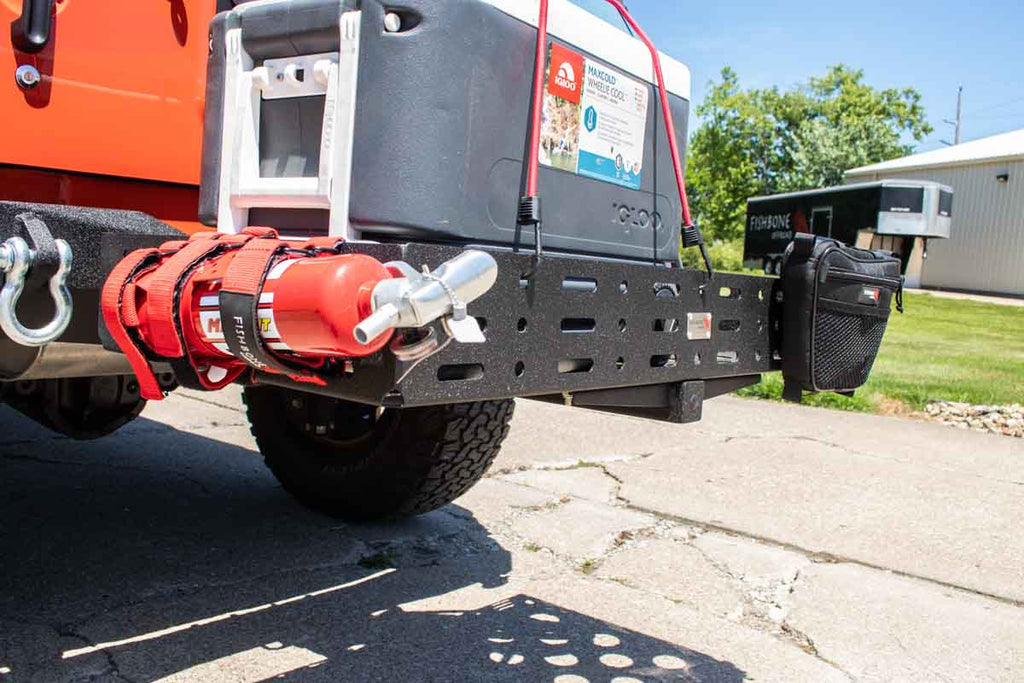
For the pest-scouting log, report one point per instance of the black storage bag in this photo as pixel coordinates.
(836, 306)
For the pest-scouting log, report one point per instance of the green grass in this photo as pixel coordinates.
(726, 257)
(940, 349)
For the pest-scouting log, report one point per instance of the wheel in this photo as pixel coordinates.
(361, 462)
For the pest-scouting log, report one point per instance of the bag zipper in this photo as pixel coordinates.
(850, 276)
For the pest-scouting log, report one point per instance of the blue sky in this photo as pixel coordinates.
(933, 46)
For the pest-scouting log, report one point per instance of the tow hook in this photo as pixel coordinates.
(16, 259)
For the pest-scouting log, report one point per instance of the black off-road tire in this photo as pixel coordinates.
(359, 463)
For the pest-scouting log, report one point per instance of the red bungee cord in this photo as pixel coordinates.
(538, 99)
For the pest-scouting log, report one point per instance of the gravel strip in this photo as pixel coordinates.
(1006, 420)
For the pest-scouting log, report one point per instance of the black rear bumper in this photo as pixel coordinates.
(586, 332)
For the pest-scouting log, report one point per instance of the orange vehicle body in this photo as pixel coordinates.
(116, 119)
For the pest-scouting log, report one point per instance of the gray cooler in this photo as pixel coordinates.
(439, 126)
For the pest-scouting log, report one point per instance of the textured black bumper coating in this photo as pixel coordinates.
(99, 239)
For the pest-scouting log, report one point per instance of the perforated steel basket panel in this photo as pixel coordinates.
(568, 324)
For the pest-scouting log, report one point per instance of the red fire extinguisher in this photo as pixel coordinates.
(218, 305)
(227, 303)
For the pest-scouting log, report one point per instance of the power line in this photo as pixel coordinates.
(1000, 105)
(991, 117)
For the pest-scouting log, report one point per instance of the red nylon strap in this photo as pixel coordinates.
(259, 232)
(110, 304)
(245, 274)
(163, 288)
(129, 306)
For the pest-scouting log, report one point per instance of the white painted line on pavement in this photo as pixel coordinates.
(152, 635)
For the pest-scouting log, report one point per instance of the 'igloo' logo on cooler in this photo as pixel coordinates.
(566, 70)
(566, 77)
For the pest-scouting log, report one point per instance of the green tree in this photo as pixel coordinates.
(851, 124)
(762, 141)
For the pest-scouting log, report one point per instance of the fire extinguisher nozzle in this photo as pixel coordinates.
(421, 298)
(380, 321)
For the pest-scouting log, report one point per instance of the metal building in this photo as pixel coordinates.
(986, 250)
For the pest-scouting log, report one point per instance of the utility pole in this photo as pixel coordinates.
(959, 116)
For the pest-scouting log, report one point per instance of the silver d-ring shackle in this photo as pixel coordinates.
(15, 261)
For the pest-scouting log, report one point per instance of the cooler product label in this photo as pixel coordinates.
(595, 120)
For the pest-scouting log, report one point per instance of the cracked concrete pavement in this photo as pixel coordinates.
(769, 543)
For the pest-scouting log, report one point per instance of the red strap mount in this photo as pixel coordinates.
(217, 306)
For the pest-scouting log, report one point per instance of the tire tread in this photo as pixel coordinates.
(430, 456)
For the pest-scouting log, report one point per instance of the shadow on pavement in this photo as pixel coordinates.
(160, 554)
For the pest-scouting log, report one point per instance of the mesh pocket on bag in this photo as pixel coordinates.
(845, 345)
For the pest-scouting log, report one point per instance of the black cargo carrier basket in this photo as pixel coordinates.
(586, 332)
